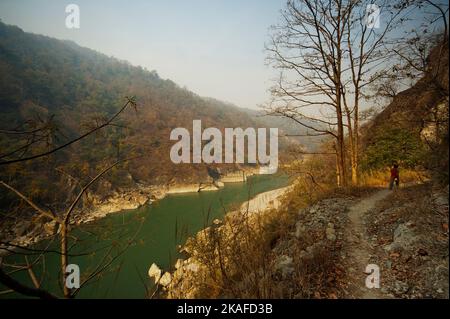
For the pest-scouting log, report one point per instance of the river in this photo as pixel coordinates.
(132, 240)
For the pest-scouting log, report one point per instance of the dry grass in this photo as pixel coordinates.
(238, 261)
(381, 178)
(234, 258)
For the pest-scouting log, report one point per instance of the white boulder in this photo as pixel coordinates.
(165, 279)
(285, 265)
(154, 272)
(179, 264)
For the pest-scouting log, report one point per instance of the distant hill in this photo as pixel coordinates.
(294, 132)
(43, 78)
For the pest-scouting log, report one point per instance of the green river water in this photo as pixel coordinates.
(141, 237)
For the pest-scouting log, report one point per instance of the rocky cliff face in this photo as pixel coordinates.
(412, 108)
(420, 115)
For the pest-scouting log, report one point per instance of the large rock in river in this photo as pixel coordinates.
(154, 272)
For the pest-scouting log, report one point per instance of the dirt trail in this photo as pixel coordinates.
(359, 248)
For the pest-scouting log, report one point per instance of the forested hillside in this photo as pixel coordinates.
(56, 90)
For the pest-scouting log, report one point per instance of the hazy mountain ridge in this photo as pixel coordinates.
(295, 132)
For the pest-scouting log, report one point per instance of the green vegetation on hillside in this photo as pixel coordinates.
(393, 144)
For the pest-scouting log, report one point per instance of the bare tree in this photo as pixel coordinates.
(427, 28)
(436, 14)
(62, 220)
(329, 54)
(368, 54)
(307, 48)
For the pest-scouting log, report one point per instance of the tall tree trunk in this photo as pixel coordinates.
(341, 148)
(340, 136)
(351, 141)
(339, 114)
(338, 171)
(355, 150)
(64, 262)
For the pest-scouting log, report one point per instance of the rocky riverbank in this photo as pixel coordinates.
(182, 280)
(24, 232)
(195, 188)
(311, 246)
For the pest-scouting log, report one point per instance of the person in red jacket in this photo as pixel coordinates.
(395, 176)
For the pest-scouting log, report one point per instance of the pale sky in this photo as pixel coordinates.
(213, 47)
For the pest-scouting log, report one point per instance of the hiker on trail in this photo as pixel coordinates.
(395, 177)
